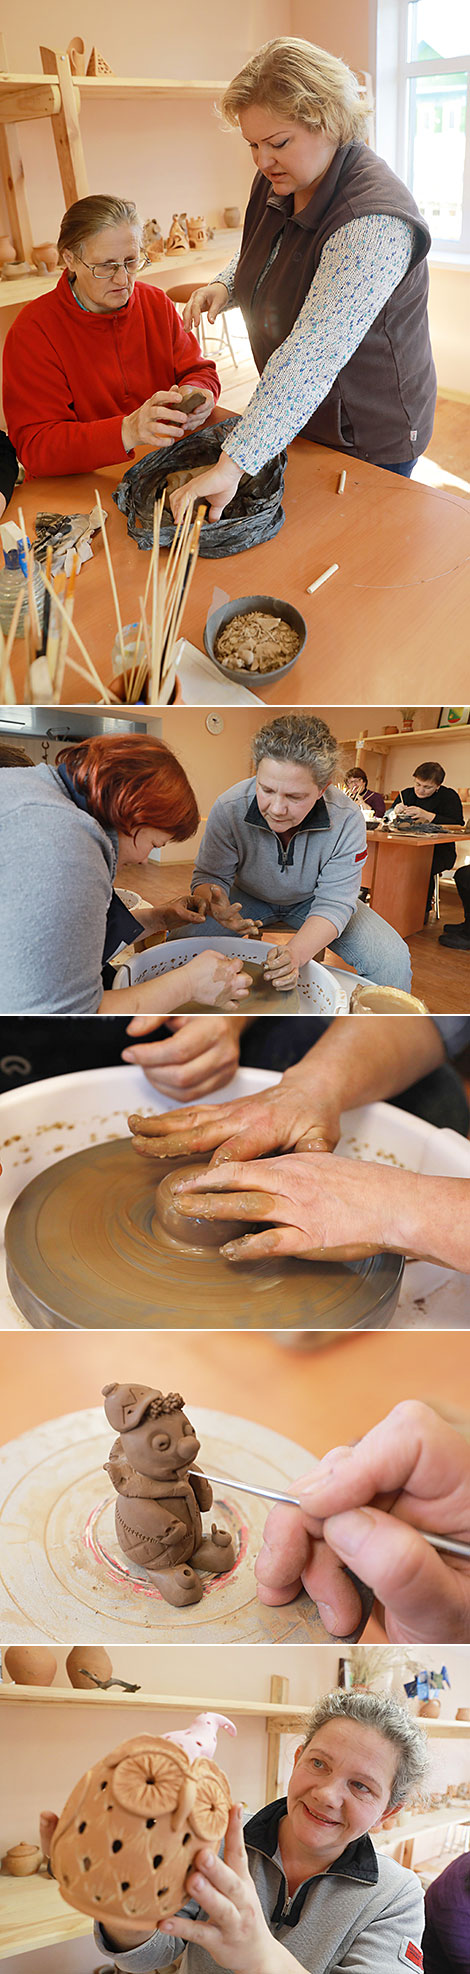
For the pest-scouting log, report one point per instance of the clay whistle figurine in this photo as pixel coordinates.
(131, 1829)
(158, 1519)
(201, 1737)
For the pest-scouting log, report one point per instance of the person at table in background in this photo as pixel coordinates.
(446, 1939)
(288, 844)
(300, 1881)
(368, 1506)
(63, 831)
(356, 785)
(271, 1141)
(458, 935)
(100, 364)
(331, 277)
(8, 471)
(426, 800)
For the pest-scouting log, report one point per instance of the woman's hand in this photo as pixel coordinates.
(216, 484)
(217, 904)
(47, 1825)
(217, 981)
(208, 301)
(198, 417)
(158, 422)
(320, 1211)
(235, 1933)
(199, 1056)
(183, 911)
(364, 1506)
(278, 1119)
(280, 970)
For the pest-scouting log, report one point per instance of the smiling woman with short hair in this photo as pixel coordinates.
(303, 1882)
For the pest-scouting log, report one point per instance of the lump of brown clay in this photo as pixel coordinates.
(158, 1520)
(192, 1230)
(131, 1828)
(83, 1662)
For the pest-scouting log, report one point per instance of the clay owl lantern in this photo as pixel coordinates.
(160, 1492)
(131, 1829)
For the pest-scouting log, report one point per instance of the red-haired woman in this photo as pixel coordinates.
(63, 831)
(102, 363)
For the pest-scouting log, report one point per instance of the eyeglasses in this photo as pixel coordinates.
(105, 269)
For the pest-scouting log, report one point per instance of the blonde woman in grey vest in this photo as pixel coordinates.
(331, 277)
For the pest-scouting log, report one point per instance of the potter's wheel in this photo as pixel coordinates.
(57, 1508)
(83, 1251)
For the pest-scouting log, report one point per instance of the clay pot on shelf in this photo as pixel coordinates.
(30, 1665)
(232, 216)
(7, 250)
(429, 1709)
(46, 256)
(463, 1713)
(86, 1659)
(22, 1860)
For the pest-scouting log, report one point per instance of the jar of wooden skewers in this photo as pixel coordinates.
(131, 684)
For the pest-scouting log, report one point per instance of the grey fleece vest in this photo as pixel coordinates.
(381, 405)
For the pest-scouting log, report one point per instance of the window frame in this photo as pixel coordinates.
(400, 71)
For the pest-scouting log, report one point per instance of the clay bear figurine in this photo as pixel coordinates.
(158, 1521)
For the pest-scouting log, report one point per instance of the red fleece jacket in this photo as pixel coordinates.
(70, 377)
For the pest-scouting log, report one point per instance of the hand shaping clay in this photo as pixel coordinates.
(158, 1521)
(193, 1230)
(131, 1829)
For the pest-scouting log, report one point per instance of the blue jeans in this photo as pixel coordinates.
(405, 468)
(368, 943)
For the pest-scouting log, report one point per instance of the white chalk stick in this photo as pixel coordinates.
(322, 579)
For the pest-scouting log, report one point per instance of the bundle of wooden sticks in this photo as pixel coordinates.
(47, 641)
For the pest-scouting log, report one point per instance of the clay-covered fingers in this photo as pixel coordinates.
(280, 969)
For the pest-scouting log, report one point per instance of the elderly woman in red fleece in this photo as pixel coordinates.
(101, 364)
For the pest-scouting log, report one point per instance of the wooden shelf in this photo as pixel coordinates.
(24, 97)
(168, 1703)
(33, 1914)
(415, 1826)
(385, 741)
(161, 273)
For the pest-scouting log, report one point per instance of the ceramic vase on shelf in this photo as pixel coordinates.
(30, 1665)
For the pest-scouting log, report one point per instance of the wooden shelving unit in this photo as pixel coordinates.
(33, 1914)
(166, 272)
(58, 95)
(382, 743)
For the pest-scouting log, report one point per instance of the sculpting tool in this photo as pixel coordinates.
(445, 1542)
(322, 579)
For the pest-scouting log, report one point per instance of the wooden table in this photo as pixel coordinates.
(398, 872)
(33, 1914)
(379, 630)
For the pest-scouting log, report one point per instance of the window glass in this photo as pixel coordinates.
(436, 29)
(437, 127)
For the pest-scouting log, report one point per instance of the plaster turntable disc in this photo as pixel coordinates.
(75, 1581)
(84, 1250)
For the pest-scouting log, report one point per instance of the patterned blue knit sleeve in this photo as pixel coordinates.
(227, 275)
(360, 266)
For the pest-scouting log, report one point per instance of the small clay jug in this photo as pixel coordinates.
(86, 1659)
(7, 250)
(430, 1709)
(30, 1665)
(46, 256)
(232, 216)
(463, 1713)
(22, 1860)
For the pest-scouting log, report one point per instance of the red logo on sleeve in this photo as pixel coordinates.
(410, 1954)
(361, 855)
